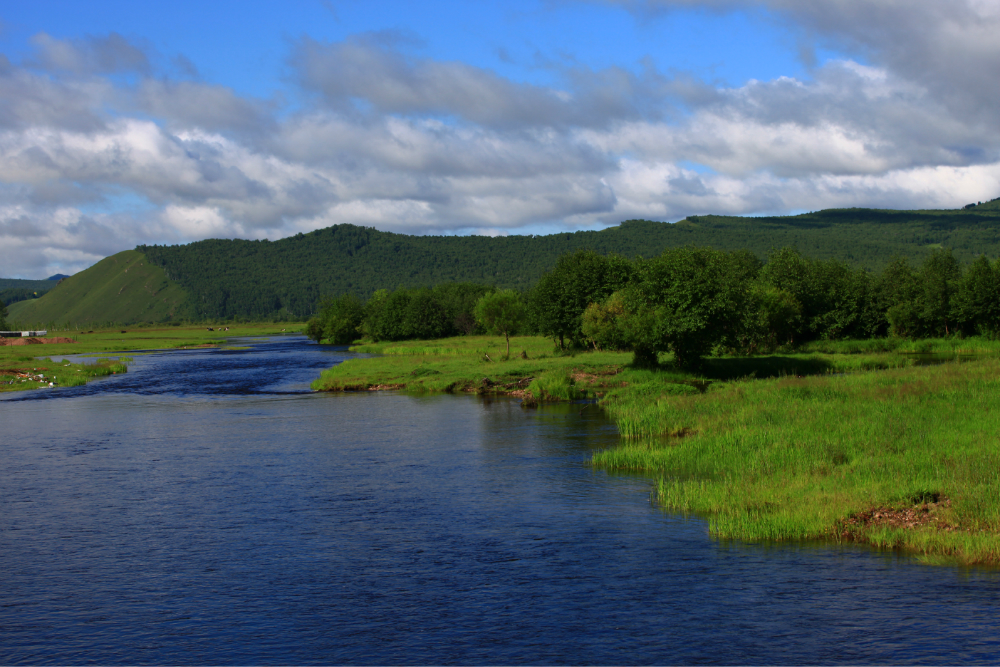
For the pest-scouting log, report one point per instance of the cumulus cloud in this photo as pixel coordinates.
(402, 142)
(950, 48)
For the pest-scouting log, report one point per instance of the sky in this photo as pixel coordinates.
(125, 123)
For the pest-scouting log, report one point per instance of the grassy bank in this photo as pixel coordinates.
(848, 441)
(906, 458)
(476, 364)
(21, 362)
(27, 372)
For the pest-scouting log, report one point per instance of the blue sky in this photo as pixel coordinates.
(244, 44)
(126, 123)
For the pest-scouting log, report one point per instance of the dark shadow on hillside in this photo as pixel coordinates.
(731, 368)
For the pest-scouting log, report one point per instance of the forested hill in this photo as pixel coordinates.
(263, 278)
(13, 290)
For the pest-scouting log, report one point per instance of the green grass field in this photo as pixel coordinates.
(474, 363)
(819, 457)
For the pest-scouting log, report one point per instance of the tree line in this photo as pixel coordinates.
(694, 301)
(15, 294)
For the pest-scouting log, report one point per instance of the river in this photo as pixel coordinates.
(207, 508)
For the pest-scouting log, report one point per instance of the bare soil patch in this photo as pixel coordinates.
(34, 341)
(918, 516)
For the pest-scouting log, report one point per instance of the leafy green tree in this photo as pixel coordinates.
(578, 279)
(939, 279)
(687, 300)
(905, 319)
(791, 273)
(977, 300)
(501, 312)
(836, 301)
(458, 301)
(338, 320)
(425, 317)
(771, 319)
(3, 316)
(391, 323)
(624, 321)
(373, 311)
(602, 323)
(896, 294)
(841, 301)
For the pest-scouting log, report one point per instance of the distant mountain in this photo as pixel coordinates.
(13, 290)
(58, 276)
(17, 283)
(219, 279)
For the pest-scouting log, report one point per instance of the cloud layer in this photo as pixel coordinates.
(100, 150)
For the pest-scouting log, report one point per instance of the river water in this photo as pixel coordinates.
(206, 508)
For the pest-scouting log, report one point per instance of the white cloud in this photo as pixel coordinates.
(409, 144)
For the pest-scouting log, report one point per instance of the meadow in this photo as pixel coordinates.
(888, 442)
(476, 364)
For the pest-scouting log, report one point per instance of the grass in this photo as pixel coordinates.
(971, 345)
(122, 288)
(853, 440)
(819, 457)
(19, 360)
(26, 372)
(473, 363)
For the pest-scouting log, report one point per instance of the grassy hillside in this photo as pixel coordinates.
(262, 278)
(123, 288)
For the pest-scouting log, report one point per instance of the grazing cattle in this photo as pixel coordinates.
(210, 328)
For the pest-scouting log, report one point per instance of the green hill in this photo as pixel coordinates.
(123, 288)
(218, 279)
(261, 279)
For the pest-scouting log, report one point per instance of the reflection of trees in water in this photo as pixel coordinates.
(552, 427)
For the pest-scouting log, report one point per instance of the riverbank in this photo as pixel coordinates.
(866, 445)
(905, 458)
(30, 366)
(477, 364)
(26, 372)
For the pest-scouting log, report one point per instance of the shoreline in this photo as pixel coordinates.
(872, 448)
(28, 357)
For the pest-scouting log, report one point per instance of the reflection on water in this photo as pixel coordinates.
(205, 508)
(935, 358)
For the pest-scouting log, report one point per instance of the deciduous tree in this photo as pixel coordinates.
(501, 312)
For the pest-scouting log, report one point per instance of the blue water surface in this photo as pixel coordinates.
(206, 508)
